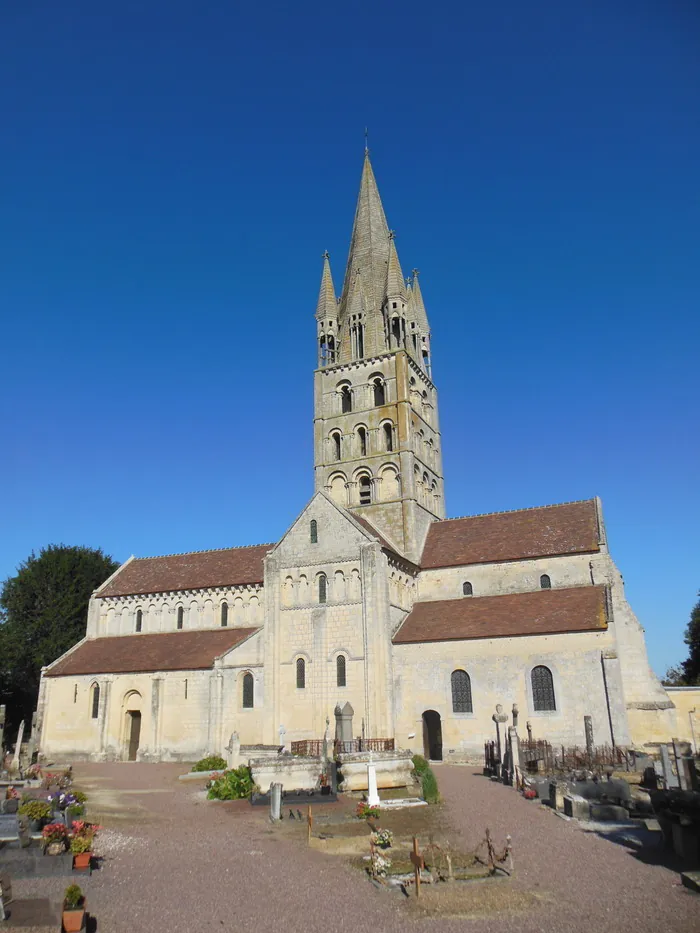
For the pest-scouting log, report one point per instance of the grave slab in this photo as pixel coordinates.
(691, 880)
(577, 807)
(608, 811)
(36, 913)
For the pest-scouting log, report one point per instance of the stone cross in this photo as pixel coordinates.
(372, 791)
(498, 717)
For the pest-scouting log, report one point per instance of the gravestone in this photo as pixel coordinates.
(343, 722)
(18, 747)
(680, 771)
(577, 807)
(669, 777)
(557, 792)
(275, 802)
(233, 751)
(588, 727)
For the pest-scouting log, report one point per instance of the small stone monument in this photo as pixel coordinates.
(15, 760)
(499, 717)
(275, 802)
(343, 722)
(233, 751)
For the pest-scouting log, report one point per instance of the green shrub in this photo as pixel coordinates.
(212, 763)
(80, 797)
(35, 809)
(430, 786)
(420, 765)
(73, 897)
(232, 785)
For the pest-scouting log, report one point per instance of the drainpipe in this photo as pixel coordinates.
(607, 700)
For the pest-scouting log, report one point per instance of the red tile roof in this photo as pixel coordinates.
(193, 571)
(570, 528)
(165, 651)
(542, 612)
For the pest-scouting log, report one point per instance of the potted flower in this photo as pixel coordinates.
(323, 782)
(55, 837)
(74, 904)
(36, 811)
(82, 842)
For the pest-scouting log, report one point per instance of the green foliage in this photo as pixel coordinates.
(80, 797)
(430, 786)
(674, 677)
(212, 763)
(72, 897)
(232, 785)
(420, 765)
(35, 809)
(43, 613)
(80, 844)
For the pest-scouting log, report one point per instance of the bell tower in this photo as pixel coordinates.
(377, 447)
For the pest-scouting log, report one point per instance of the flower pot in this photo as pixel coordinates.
(73, 918)
(82, 860)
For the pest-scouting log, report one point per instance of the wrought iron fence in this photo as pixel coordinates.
(540, 755)
(314, 747)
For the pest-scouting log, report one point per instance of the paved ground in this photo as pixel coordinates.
(176, 862)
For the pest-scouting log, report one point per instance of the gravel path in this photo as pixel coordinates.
(174, 861)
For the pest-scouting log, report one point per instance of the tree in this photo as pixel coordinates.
(691, 667)
(43, 613)
(674, 677)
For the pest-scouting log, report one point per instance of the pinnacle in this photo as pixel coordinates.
(327, 306)
(395, 287)
(418, 305)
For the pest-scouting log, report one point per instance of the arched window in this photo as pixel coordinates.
(301, 673)
(335, 438)
(365, 485)
(340, 670)
(545, 582)
(313, 531)
(345, 400)
(362, 441)
(379, 392)
(180, 616)
(543, 688)
(467, 589)
(322, 587)
(248, 691)
(388, 438)
(224, 614)
(461, 692)
(95, 701)
(139, 620)
(331, 349)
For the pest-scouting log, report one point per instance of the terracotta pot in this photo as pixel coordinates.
(74, 918)
(82, 859)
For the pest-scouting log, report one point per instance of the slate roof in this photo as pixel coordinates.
(570, 528)
(165, 651)
(541, 612)
(193, 571)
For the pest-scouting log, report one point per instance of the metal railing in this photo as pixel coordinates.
(314, 747)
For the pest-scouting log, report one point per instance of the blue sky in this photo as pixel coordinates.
(171, 174)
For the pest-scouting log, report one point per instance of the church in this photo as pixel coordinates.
(422, 623)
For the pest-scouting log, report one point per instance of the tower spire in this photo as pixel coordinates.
(395, 286)
(327, 305)
(419, 311)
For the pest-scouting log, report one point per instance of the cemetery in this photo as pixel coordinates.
(376, 815)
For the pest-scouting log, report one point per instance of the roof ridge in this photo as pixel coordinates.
(211, 550)
(527, 508)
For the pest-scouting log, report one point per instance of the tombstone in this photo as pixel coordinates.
(324, 748)
(343, 722)
(233, 751)
(499, 717)
(275, 802)
(557, 791)
(515, 759)
(516, 712)
(670, 780)
(588, 726)
(680, 771)
(18, 747)
(372, 791)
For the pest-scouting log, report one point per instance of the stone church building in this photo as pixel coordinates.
(372, 596)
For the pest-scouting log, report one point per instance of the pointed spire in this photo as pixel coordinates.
(419, 311)
(395, 287)
(327, 306)
(369, 244)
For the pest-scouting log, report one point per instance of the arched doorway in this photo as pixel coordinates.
(132, 725)
(432, 735)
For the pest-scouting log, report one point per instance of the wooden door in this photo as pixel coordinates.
(134, 735)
